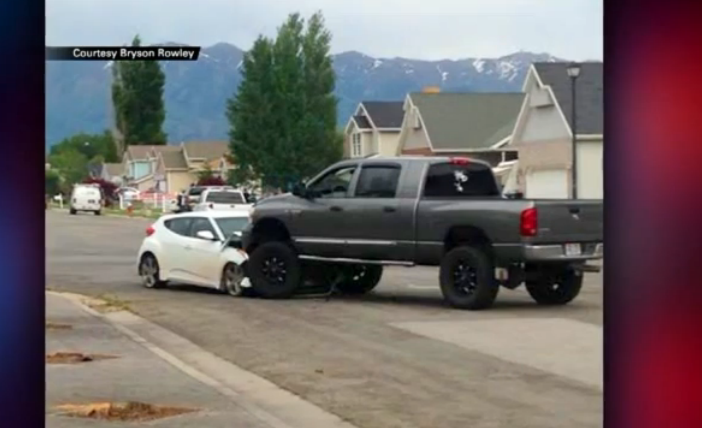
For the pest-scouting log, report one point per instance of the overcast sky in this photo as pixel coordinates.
(422, 29)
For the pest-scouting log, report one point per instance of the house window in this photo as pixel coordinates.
(356, 148)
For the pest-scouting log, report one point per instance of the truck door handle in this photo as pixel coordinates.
(335, 208)
(574, 210)
(389, 209)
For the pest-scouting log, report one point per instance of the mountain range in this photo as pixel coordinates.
(78, 93)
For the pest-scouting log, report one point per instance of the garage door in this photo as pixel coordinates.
(547, 184)
(590, 170)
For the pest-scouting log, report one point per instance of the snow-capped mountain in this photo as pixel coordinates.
(77, 93)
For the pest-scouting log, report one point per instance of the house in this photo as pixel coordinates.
(200, 155)
(478, 125)
(543, 133)
(139, 164)
(374, 129)
(173, 172)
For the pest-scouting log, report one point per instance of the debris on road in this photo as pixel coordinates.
(75, 358)
(130, 411)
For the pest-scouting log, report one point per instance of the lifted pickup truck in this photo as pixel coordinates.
(358, 215)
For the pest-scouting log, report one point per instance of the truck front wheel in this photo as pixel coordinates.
(556, 289)
(361, 279)
(467, 278)
(274, 270)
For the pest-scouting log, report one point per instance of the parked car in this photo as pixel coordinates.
(86, 197)
(221, 199)
(128, 193)
(359, 215)
(202, 249)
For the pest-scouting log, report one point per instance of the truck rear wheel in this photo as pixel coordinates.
(274, 270)
(467, 278)
(558, 289)
(361, 279)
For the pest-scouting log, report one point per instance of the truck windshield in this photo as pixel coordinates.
(225, 198)
(448, 180)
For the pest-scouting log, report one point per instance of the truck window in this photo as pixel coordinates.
(447, 180)
(334, 184)
(378, 181)
(225, 198)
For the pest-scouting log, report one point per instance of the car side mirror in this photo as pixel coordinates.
(206, 235)
(300, 190)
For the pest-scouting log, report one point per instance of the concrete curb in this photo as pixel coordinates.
(264, 400)
(107, 214)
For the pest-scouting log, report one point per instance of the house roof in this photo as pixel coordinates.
(460, 121)
(362, 122)
(144, 152)
(114, 169)
(385, 114)
(174, 160)
(206, 149)
(94, 169)
(589, 93)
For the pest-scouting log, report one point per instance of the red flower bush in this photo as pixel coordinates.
(108, 189)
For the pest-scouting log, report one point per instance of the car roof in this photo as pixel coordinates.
(208, 214)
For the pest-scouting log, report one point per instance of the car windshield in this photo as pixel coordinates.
(225, 198)
(229, 225)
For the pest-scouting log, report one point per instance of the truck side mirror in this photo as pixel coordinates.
(300, 190)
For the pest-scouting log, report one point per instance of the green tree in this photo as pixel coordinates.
(137, 99)
(71, 165)
(283, 117)
(52, 182)
(92, 146)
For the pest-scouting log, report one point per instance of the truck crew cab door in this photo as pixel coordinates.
(378, 221)
(318, 222)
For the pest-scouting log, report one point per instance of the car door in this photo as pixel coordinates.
(203, 254)
(174, 260)
(318, 223)
(378, 222)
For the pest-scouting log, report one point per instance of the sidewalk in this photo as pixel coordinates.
(135, 374)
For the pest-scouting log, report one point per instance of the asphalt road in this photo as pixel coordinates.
(397, 357)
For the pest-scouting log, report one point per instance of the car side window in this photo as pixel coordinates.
(335, 184)
(379, 181)
(180, 226)
(198, 225)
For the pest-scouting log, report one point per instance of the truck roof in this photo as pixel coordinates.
(411, 159)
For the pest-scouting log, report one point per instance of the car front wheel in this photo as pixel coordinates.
(149, 272)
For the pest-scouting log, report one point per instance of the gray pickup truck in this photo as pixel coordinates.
(356, 216)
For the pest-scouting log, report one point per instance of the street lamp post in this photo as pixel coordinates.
(574, 72)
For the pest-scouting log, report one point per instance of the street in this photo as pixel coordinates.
(397, 357)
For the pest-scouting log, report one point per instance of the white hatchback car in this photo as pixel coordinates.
(199, 248)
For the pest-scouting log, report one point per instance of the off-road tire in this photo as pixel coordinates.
(555, 290)
(260, 262)
(361, 279)
(485, 287)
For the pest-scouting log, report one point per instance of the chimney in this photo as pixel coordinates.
(431, 90)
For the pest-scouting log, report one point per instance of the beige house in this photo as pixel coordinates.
(543, 132)
(373, 129)
(202, 154)
(171, 165)
(477, 125)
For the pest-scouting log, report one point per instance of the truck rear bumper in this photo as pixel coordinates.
(557, 253)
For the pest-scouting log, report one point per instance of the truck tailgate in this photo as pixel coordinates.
(562, 221)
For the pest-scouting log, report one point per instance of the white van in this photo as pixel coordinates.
(86, 197)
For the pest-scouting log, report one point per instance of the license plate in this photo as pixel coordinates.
(573, 250)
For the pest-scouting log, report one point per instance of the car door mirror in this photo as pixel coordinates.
(301, 191)
(206, 235)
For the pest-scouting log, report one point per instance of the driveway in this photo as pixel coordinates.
(395, 358)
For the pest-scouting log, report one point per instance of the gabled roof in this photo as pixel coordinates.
(138, 153)
(173, 160)
(589, 93)
(385, 114)
(206, 150)
(113, 169)
(467, 121)
(362, 122)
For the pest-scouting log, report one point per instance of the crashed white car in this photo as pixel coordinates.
(198, 248)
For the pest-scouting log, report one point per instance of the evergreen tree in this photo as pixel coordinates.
(283, 118)
(137, 99)
(91, 146)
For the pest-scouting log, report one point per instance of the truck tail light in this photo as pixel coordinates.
(529, 222)
(459, 161)
(150, 230)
